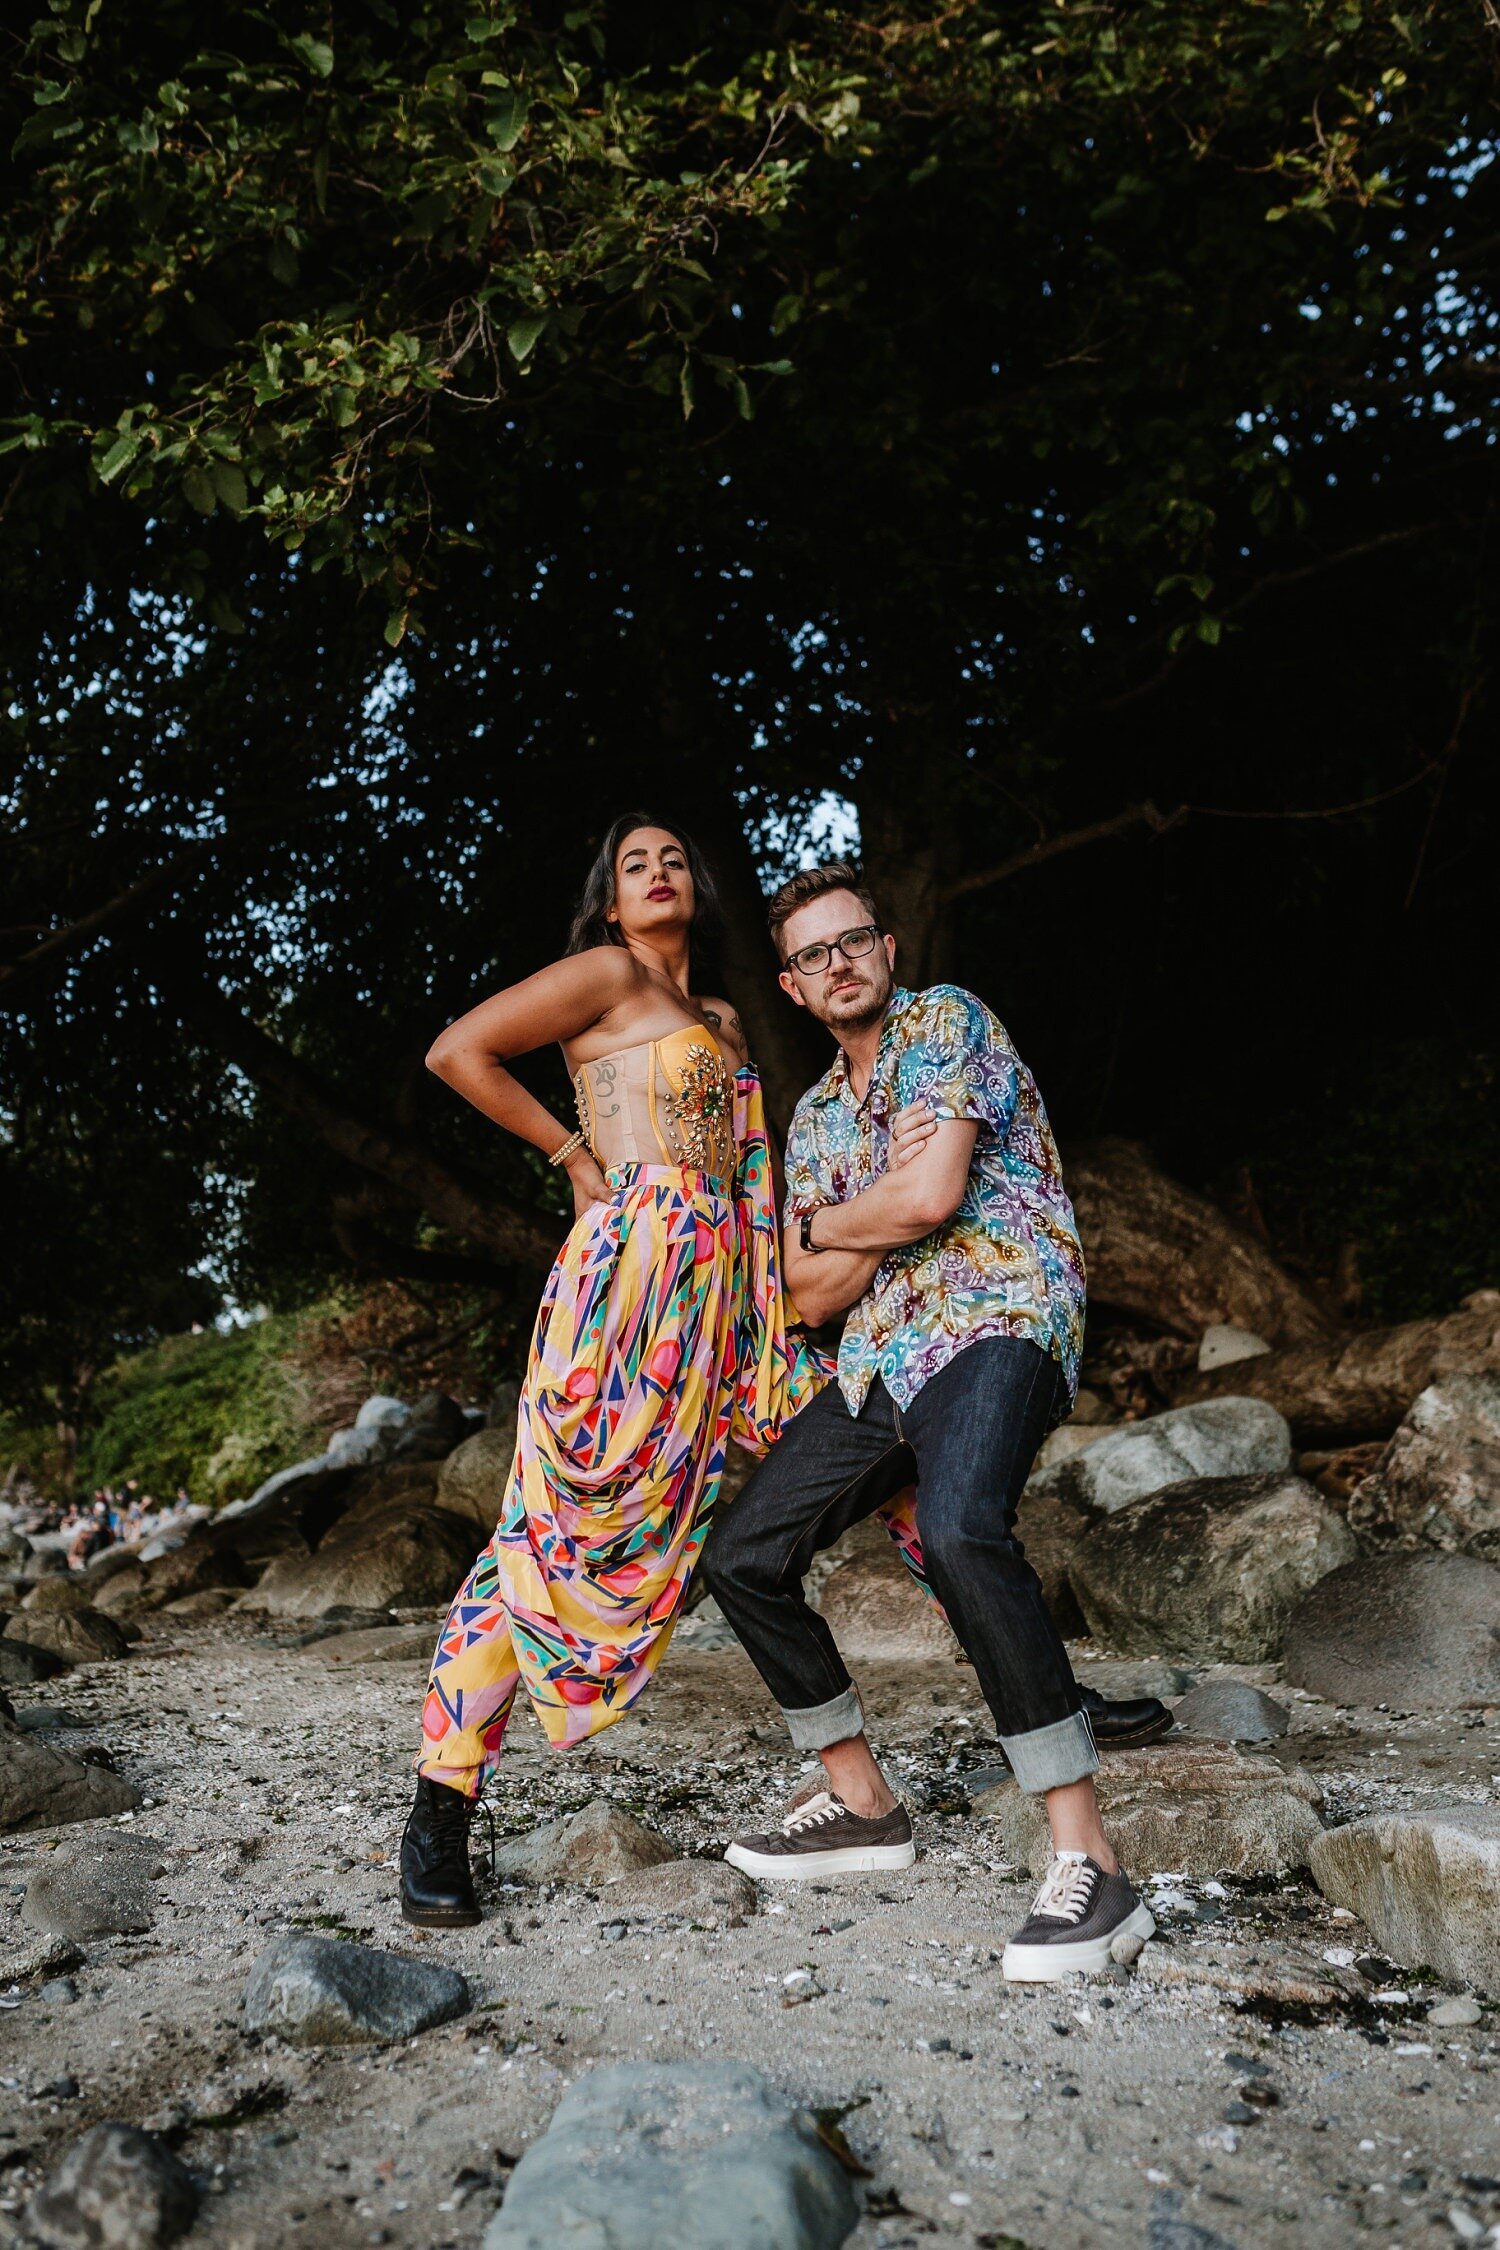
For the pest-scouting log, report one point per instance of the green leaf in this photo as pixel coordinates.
(142, 139)
(395, 628)
(507, 116)
(522, 335)
(685, 388)
(229, 484)
(316, 53)
(199, 487)
(119, 456)
(1210, 629)
(49, 91)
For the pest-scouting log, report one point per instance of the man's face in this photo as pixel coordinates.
(846, 995)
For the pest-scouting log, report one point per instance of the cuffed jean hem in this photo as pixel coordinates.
(820, 1725)
(1049, 1757)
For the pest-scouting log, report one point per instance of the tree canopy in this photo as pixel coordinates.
(1064, 433)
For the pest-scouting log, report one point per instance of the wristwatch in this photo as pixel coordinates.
(804, 1232)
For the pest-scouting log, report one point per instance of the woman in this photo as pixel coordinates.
(663, 1334)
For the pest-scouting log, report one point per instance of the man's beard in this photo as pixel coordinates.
(857, 1009)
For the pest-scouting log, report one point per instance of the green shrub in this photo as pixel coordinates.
(216, 1413)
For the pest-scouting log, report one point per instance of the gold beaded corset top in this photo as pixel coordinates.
(670, 1101)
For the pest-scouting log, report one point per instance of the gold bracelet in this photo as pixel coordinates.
(570, 1147)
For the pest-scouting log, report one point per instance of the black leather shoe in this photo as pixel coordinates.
(1124, 1725)
(437, 1886)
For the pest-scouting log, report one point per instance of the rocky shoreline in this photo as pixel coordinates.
(214, 2023)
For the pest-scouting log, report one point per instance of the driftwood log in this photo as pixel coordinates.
(1353, 1387)
(1157, 1250)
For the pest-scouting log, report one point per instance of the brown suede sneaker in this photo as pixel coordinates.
(823, 1837)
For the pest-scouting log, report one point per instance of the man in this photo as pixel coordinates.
(962, 1277)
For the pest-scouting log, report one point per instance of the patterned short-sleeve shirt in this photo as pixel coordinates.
(1008, 1262)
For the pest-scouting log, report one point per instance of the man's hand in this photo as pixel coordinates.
(909, 1202)
(911, 1130)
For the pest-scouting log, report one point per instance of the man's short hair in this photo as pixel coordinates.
(815, 882)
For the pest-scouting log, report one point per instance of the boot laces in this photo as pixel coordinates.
(449, 1817)
(1066, 1889)
(818, 1810)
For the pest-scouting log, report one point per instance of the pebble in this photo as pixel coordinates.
(1464, 2224)
(1127, 1949)
(1455, 2014)
(115, 2187)
(324, 1992)
(61, 1992)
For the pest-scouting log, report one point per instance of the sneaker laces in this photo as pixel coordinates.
(1066, 1889)
(815, 1813)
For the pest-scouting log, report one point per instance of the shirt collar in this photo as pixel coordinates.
(834, 1083)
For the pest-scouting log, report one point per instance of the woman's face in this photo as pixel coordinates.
(653, 889)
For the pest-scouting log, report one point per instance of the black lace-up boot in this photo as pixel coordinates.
(437, 1886)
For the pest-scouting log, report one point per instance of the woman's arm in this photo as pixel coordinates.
(556, 1004)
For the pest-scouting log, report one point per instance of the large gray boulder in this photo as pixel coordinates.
(1208, 1571)
(1232, 1711)
(323, 1992)
(1202, 1809)
(116, 2189)
(77, 1636)
(398, 1556)
(476, 1477)
(22, 1665)
(1426, 1884)
(675, 2156)
(282, 1494)
(434, 1427)
(1418, 1631)
(96, 1885)
(64, 1593)
(41, 1786)
(874, 1608)
(1223, 1437)
(1439, 1479)
(591, 1846)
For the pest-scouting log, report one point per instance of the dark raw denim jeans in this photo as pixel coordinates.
(967, 1441)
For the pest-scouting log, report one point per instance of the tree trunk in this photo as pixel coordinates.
(907, 883)
(785, 1047)
(1157, 1250)
(1339, 1391)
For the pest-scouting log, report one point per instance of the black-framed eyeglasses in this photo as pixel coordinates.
(854, 944)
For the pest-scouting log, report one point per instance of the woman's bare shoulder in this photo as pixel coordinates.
(615, 966)
(723, 1023)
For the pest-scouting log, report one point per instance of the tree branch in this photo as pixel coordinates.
(476, 1214)
(372, 1252)
(1072, 840)
(17, 977)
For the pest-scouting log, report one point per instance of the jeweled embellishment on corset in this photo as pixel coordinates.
(700, 1108)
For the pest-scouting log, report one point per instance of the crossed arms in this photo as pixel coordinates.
(912, 1200)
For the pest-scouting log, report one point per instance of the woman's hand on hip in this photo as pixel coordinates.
(589, 1183)
(911, 1129)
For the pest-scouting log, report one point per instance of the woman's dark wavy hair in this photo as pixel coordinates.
(590, 926)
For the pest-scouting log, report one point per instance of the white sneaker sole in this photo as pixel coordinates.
(1044, 1964)
(860, 1859)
